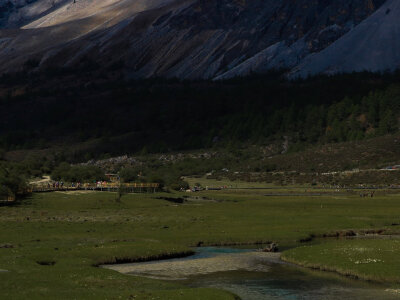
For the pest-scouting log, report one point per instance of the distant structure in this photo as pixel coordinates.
(113, 177)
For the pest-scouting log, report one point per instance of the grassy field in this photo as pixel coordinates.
(59, 238)
(376, 260)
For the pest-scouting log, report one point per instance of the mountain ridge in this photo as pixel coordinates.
(187, 39)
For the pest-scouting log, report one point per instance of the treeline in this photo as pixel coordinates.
(352, 118)
(162, 115)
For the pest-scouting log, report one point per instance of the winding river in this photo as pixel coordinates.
(256, 275)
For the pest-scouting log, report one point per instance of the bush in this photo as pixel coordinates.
(12, 183)
(178, 185)
(157, 179)
(128, 174)
(77, 173)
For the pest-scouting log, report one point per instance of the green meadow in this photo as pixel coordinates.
(368, 259)
(52, 243)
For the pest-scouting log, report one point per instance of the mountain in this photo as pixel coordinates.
(374, 46)
(173, 38)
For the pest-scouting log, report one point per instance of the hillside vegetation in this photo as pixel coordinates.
(114, 117)
(373, 153)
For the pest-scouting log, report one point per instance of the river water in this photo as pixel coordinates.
(272, 279)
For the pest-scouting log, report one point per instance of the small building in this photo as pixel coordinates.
(113, 177)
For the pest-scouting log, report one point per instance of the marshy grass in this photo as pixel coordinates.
(78, 232)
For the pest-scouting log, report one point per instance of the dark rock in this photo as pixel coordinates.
(273, 247)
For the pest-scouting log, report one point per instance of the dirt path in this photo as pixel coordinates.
(44, 180)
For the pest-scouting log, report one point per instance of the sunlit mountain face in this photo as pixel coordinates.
(171, 38)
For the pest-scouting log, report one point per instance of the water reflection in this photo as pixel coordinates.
(288, 282)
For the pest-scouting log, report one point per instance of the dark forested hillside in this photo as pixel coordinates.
(163, 115)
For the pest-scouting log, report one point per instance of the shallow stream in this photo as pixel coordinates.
(256, 275)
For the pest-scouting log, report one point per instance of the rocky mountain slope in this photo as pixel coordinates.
(374, 45)
(173, 38)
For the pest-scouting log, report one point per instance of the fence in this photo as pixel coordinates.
(103, 186)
